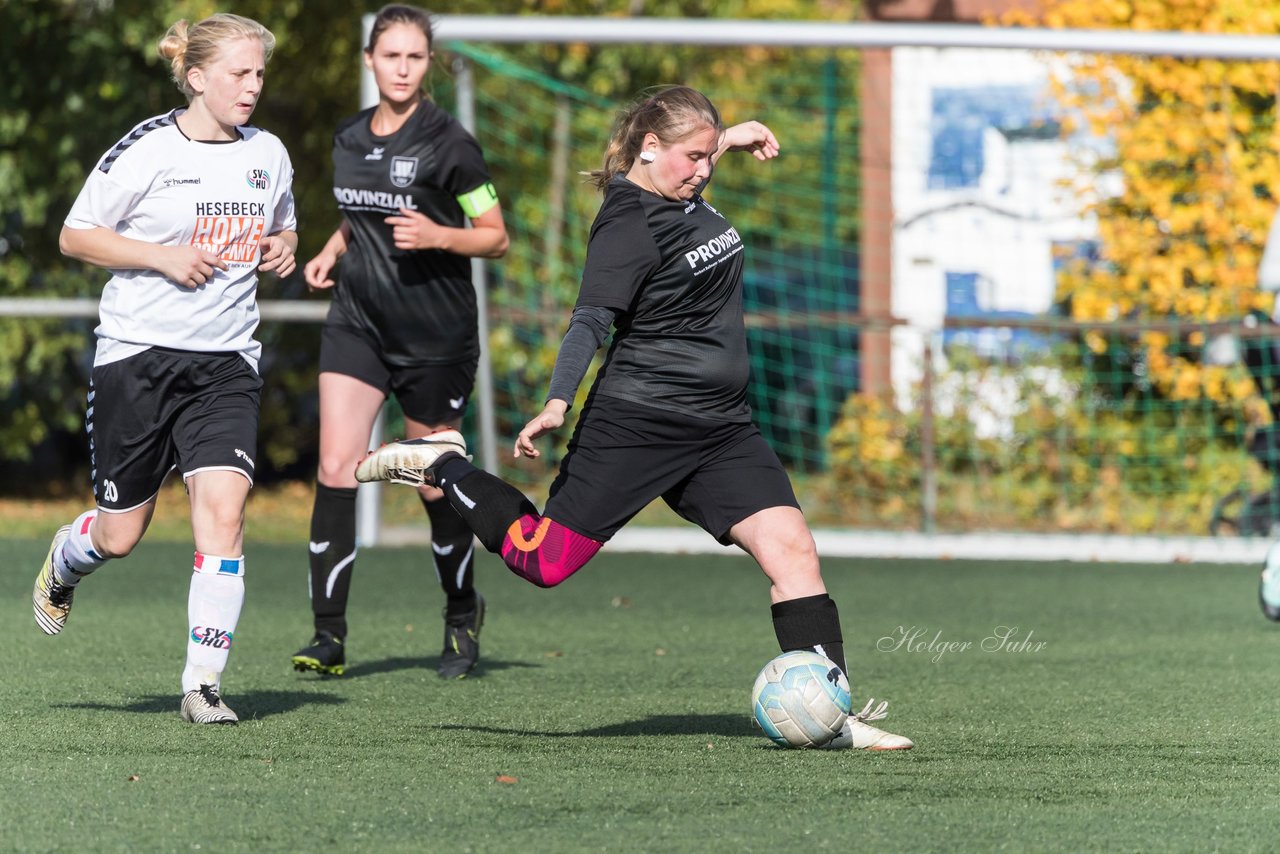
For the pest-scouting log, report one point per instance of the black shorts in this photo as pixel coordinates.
(429, 394)
(624, 455)
(163, 408)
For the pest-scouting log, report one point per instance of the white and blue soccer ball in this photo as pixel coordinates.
(801, 699)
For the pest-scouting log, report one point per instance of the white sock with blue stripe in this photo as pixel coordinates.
(213, 609)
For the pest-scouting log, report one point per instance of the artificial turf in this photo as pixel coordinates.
(1129, 708)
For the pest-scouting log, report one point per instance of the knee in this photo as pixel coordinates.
(223, 520)
(112, 544)
(224, 511)
(796, 545)
(806, 547)
(336, 470)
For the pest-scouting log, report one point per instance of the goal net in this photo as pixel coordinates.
(987, 287)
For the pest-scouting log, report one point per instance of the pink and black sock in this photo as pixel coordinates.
(538, 549)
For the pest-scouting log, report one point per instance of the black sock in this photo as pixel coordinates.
(812, 623)
(333, 552)
(451, 549)
(485, 502)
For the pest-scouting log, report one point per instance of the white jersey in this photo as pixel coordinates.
(157, 186)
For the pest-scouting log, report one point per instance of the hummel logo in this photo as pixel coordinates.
(456, 402)
(442, 550)
(242, 455)
(376, 154)
(319, 548)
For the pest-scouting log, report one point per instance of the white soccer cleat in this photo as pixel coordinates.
(408, 460)
(857, 734)
(205, 706)
(1269, 584)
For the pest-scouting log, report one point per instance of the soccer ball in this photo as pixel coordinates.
(801, 699)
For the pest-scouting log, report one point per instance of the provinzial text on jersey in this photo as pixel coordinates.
(374, 198)
(713, 248)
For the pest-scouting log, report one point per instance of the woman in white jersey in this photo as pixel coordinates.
(667, 415)
(184, 212)
(408, 179)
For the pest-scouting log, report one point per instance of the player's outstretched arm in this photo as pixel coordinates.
(550, 418)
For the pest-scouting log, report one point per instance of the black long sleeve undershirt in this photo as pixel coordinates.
(588, 327)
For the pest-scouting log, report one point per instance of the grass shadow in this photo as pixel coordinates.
(424, 662)
(654, 725)
(249, 705)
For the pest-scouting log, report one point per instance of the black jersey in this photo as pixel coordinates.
(673, 271)
(419, 306)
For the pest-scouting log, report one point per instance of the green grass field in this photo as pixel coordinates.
(611, 714)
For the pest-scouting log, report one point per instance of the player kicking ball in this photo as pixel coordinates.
(667, 414)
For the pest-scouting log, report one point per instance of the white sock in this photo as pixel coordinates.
(213, 609)
(76, 558)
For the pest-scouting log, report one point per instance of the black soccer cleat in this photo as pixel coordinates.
(461, 642)
(325, 655)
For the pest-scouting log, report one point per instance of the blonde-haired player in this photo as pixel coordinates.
(184, 212)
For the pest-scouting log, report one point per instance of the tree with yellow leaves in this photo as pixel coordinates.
(1198, 150)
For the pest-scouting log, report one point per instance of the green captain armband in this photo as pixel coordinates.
(479, 200)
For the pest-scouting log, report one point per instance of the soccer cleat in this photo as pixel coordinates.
(409, 461)
(1269, 584)
(461, 642)
(326, 655)
(857, 734)
(205, 706)
(50, 599)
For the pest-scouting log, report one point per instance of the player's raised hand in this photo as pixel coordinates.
(189, 266)
(752, 137)
(550, 418)
(277, 256)
(412, 230)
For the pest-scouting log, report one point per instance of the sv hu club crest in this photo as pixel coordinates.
(403, 170)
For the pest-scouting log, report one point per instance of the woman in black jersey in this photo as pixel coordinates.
(407, 178)
(668, 414)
